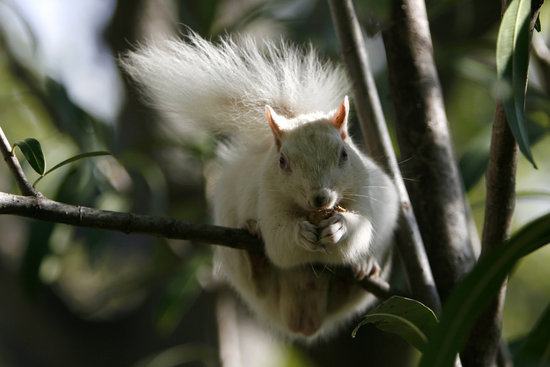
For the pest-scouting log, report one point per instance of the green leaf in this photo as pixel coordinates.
(33, 154)
(70, 160)
(512, 59)
(408, 318)
(535, 349)
(475, 291)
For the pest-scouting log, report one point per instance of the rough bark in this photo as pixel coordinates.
(434, 184)
(375, 133)
(482, 345)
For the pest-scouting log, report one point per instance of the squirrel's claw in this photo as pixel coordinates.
(252, 227)
(367, 268)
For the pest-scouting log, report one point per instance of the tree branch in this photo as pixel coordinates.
(375, 132)
(41, 208)
(422, 133)
(34, 205)
(483, 342)
(45, 209)
(11, 160)
(484, 339)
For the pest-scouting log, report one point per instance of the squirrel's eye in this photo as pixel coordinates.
(343, 156)
(283, 163)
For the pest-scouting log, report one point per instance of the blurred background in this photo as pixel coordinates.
(78, 297)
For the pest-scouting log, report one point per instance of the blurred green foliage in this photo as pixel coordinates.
(92, 280)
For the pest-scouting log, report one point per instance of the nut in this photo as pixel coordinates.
(317, 216)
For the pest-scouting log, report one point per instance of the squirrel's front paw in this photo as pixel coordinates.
(368, 267)
(252, 227)
(307, 236)
(332, 229)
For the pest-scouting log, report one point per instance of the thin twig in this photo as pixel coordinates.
(380, 148)
(380, 288)
(13, 163)
(42, 208)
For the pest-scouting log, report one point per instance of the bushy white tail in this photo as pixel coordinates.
(224, 87)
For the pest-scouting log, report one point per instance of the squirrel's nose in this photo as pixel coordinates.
(324, 199)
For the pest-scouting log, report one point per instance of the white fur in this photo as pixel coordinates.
(223, 89)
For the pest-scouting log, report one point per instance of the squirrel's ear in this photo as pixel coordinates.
(340, 118)
(271, 118)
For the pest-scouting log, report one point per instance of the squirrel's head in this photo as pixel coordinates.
(313, 156)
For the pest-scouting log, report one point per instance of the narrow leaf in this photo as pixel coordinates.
(475, 291)
(70, 160)
(33, 154)
(512, 59)
(535, 349)
(408, 318)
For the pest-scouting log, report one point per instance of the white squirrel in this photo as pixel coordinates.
(289, 155)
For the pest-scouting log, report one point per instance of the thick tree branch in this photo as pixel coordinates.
(483, 342)
(421, 124)
(378, 143)
(484, 339)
